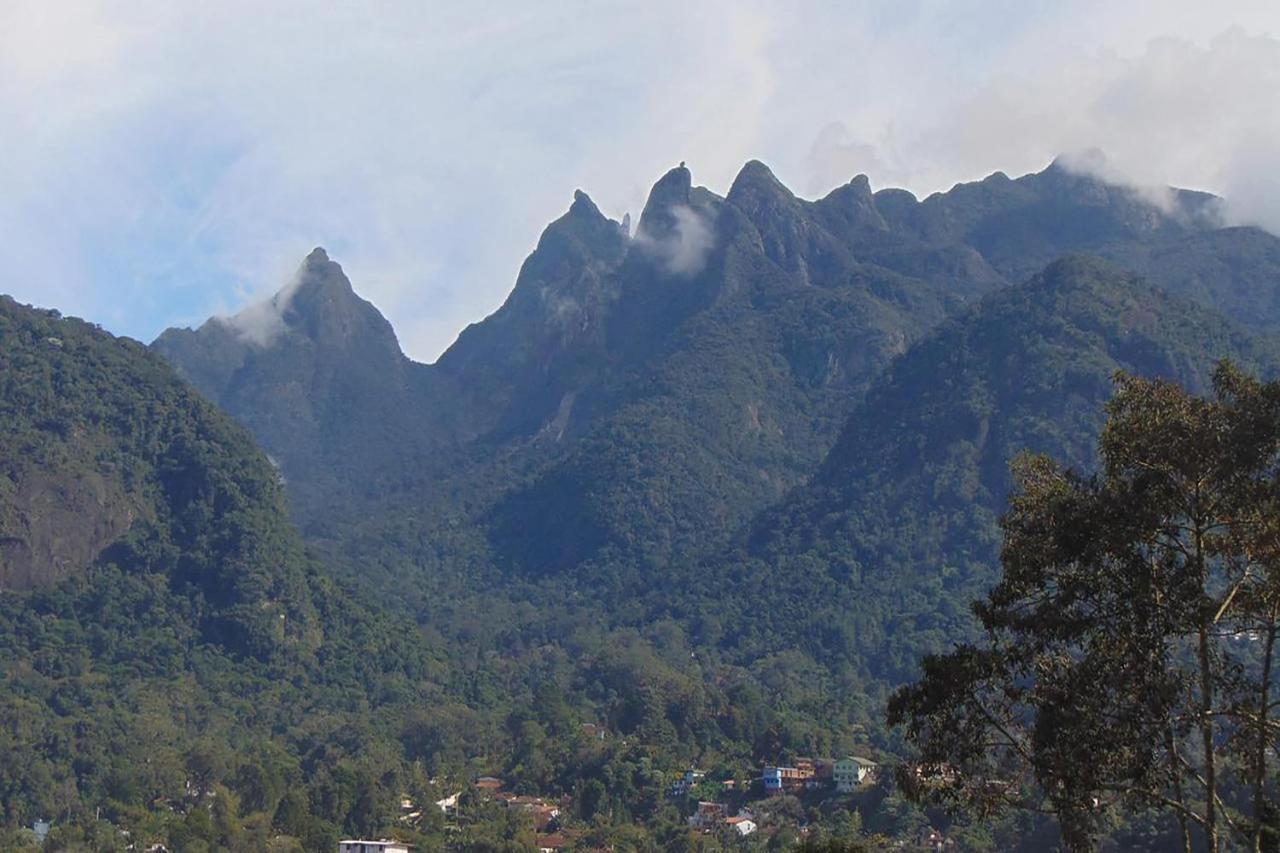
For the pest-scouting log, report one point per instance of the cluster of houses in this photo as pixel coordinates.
(807, 774)
(544, 812)
(711, 816)
(845, 775)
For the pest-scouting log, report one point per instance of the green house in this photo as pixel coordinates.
(851, 771)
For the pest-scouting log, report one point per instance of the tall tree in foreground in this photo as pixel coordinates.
(1129, 652)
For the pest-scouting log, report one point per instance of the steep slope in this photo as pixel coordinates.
(745, 368)
(735, 374)
(319, 379)
(872, 563)
(109, 458)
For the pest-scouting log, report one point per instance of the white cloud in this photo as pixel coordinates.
(261, 321)
(1191, 112)
(164, 162)
(683, 252)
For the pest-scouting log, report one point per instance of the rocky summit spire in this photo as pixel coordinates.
(854, 205)
(584, 224)
(321, 305)
(317, 318)
(672, 190)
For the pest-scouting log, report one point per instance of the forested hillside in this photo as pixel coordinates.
(878, 556)
(164, 638)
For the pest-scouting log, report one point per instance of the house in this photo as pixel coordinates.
(543, 812)
(931, 775)
(851, 771)
(551, 843)
(708, 815)
(683, 784)
(487, 783)
(544, 816)
(743, 826)
(593, 731)
(449, 805)
(778, 779)
(380, 846)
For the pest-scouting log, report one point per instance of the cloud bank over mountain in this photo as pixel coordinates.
(163, 164)
(1203, 114)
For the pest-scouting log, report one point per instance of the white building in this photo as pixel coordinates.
(851, 771)
(382, 846)
(449, 805)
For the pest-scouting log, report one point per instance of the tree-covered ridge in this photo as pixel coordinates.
(181, 491)
(130, 702)
(198, 646)
(874, 561)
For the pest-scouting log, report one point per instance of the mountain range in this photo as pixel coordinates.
(639, 399)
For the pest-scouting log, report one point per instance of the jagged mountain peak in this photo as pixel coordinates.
(585, 224)
(827, 291)
(318, 276)
(855, 204)
(658, 220)
(755, 178)
(319, 305)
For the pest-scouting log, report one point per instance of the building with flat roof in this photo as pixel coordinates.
(851, 771)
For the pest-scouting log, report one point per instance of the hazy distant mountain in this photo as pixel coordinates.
(317, 376)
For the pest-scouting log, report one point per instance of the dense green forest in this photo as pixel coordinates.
(701, 496)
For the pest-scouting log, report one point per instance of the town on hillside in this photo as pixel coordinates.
(777, 799)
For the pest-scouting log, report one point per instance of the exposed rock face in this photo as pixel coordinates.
(56, 525)
(109, 463)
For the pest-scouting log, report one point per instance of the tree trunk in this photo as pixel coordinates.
(1184, 830)
(1260, 755)
(1206, 697)
(1206, 736)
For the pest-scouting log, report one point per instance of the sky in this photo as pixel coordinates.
(163, 162)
